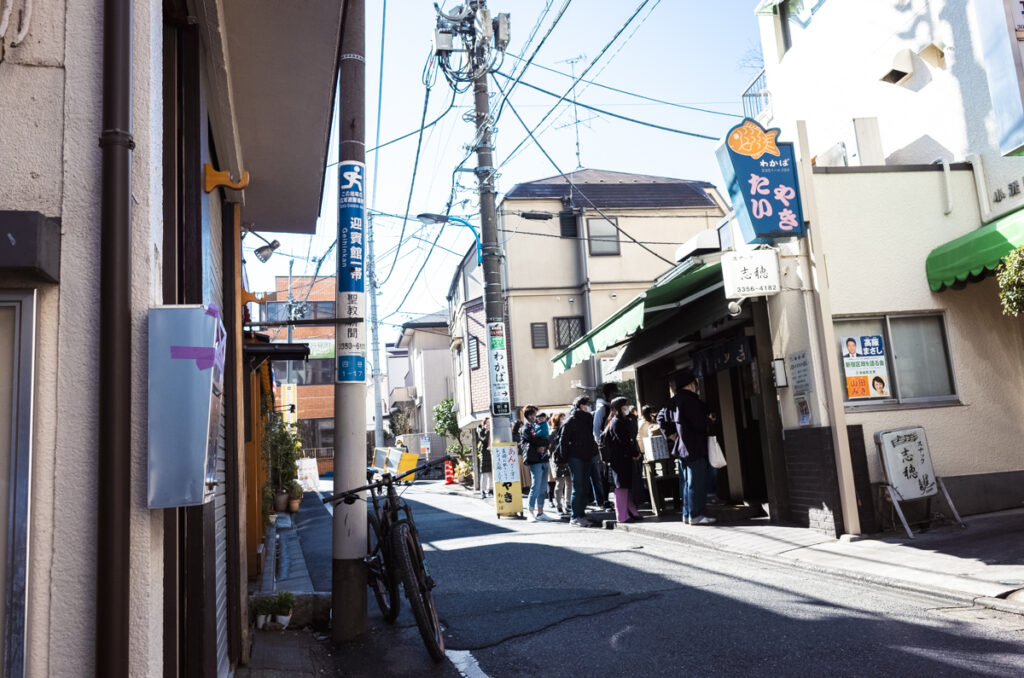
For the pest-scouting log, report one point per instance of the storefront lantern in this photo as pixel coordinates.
(761, 178)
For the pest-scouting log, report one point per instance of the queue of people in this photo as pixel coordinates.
(567, 461)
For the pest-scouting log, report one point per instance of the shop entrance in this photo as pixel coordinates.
(733, 390)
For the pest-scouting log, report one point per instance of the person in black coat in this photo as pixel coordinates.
(620, 437)
(483, 434)
(577, 444)
(687, 423)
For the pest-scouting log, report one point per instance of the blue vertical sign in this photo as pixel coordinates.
(760, 175)
(350, 342)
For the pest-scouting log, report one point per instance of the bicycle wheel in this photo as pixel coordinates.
(405, 549)
(380, 573)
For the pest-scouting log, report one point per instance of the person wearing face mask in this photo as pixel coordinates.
(579, 448)
(620, 437)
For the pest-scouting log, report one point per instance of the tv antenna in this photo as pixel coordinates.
(575, 112)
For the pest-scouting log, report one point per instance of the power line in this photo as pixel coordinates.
(576, 188)
(516, 231)
(412, 185)
(529, 61)
(688, 107)
(616, 115)
(575, 82)
(426, 257)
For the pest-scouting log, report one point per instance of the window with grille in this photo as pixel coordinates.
(604, 237)
(539, 335)
(474, 353)
(568, 330)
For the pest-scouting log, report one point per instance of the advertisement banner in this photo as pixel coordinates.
(760, 175)
(864, 363)
(350, 339)
(508, 488)
(497, 359)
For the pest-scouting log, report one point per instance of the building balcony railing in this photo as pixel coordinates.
(757, 99)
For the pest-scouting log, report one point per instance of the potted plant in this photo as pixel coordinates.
(281, 449)
(267, 503)
(262, 607)
(294, 496)
(284, 604)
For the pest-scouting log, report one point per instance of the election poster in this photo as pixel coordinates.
(865, 367)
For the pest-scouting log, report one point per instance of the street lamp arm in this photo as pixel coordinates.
(431, 218)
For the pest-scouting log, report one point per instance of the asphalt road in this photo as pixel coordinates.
(536, 599)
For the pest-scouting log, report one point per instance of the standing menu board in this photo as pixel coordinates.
(907, 462)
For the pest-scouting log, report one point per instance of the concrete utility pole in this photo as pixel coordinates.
(473, 24)
(348, 572)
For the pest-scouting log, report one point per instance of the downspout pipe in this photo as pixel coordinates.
(115, 405)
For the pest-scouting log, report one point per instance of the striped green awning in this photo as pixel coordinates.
(976, 254)
(681, 282)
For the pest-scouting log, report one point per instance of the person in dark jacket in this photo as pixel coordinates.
(577, 444)
(620, 437)
(483, 434)
(686, 423)
(536, 458)
(562, 490)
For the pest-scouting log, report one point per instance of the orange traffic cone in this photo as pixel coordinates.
(449, 473)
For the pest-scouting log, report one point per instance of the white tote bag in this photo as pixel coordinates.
(715, 454)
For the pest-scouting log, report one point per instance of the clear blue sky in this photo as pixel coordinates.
(683, 51)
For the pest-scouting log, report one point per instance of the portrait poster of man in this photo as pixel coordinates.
(865, 367)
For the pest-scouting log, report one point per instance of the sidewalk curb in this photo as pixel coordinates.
(961, 597)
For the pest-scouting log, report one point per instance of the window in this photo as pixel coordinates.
(322, 309)
(315, 371)
(604, 237)
(277, 310)
(17, 351)
(458, 361)
(568, 330)
(567, 225)
(895, 359)
(474, 353)
(794, 16)
(539, 335)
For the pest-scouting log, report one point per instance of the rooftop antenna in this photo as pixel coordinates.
(575, 113)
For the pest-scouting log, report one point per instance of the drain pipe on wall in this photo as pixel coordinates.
(115, 411)
(981, 187)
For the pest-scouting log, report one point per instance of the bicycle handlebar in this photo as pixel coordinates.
(341, 496)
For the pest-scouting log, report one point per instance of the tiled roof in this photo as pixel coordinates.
(605, 189)
(435, 319)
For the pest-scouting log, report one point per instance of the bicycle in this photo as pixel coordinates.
(394, 555)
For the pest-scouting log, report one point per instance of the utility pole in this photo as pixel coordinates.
(371, 276)
(473, 24)
(291, 314)
(348, 545)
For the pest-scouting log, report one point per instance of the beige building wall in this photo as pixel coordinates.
(543, 281)
(50, 98)
(879, 228)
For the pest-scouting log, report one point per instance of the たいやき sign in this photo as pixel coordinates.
(760, 175)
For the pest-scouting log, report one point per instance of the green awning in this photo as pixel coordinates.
(976, 254)
(673, 289)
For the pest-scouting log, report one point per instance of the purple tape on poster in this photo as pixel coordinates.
(204, 356)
